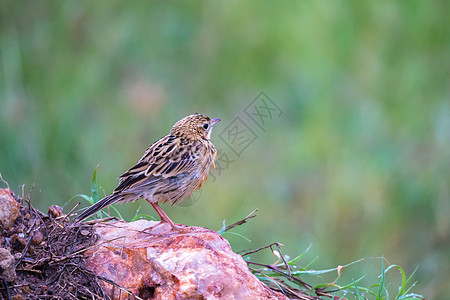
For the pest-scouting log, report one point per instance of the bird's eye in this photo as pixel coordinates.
(205, 126)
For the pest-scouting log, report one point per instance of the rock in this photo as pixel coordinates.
(7, 265)
(9, 209)
(194, 263)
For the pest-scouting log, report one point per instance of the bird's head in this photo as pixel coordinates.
(194, 127)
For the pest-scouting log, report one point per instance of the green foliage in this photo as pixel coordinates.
(94, 198)
(289, 275)
(94, 187)
(139, 216)
(223, 233)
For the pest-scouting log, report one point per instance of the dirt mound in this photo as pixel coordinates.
(42, 255)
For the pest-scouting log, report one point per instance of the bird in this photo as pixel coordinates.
(170, 170)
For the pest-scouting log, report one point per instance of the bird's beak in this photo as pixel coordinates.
(214, 121)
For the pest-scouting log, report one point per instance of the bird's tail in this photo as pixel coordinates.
(108, 200)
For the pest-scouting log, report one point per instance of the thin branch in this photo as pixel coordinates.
(29, 197)
(5, 283)
(259, 249)
(114, 284)
(4, 181)
(308, 286)
(70, 212)
(23, 194)
(25, 250)
(318, 291)
(282, 285)
(284, 260)
(92, 222)
(85, 249)
(29, 270)
(244, 220)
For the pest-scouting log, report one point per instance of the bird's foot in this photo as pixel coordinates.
(164, 227)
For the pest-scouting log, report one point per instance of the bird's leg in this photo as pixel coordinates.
(162, 215)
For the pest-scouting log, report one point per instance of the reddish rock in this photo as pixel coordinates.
(9, 209)
(195, 263)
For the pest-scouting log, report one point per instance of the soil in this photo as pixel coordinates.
(48, 252)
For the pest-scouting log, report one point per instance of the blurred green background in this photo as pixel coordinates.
(356, 161)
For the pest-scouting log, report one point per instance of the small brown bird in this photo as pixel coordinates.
(169, 171)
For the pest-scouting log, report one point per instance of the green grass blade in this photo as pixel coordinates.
(222, 230)
(404, 290)
(350, 285)
(139, 216)
(297, 258)
(310, 263)
(404, 281)
(234, 233)
(262, 278)
(411, 296)
(319, 272)
(94, 186)
(117, 212)
(136, 214)
(358, 291)
(85, 197)
(407, 291)
(144, 217)
(380, 287)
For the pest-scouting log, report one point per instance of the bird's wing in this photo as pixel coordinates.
(167, 157)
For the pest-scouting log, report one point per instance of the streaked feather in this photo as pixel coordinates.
(170, 170)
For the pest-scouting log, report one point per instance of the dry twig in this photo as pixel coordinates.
(244, 220)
